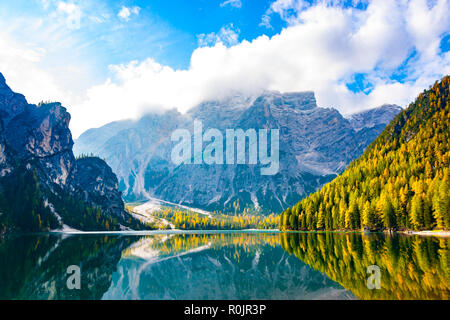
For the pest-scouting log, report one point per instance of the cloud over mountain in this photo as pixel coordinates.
(393, 46)
(352, 56)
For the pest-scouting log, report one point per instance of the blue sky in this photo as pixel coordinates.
(111, 60)
(164, 30)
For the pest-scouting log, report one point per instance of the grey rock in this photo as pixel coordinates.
(316, 144)
(38, 138)
(374, 117)
(94, 180)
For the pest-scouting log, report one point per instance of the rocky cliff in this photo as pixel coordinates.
(316, 144)
(42, 185)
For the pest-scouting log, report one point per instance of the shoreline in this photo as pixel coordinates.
(438, 233)
(435, 233)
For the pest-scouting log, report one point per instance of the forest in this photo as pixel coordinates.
(29, 206)
(412, 267)
(189, 220)
(401, 182)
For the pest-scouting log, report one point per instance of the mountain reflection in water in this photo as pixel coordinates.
(217, 265)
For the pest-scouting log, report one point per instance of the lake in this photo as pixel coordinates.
(225, 265)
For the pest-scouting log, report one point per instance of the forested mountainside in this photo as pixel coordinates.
(42, 186)
(412, 267)
(316, 144)
(400, 182)
(34, 267)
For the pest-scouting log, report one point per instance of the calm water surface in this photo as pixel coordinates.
(225, 266)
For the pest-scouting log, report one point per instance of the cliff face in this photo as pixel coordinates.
(316, 144)
(93, 180)
(374, 117)
(36, 161)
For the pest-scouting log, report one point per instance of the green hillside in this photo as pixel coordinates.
(400, 182)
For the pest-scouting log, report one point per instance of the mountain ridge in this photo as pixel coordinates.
(315, 145)
(42, 185)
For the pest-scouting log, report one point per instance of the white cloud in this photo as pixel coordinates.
(41, 56)
(265, 22)
(45, 4)
(287, 9)
(322, 51)
(427, 24)
(227, 35)
(73, 13)
(125, 12)
(232, 3)
(44, 58)
(17, 61)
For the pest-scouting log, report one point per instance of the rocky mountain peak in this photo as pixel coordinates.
(316, 144)
(11, 103)
(297, 100)
(381, 115)
(36, 144)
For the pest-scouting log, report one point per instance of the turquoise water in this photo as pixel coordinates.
(237, 265)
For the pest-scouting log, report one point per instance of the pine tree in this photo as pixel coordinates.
(368, 216)
(320, 218)
(388, 213)
(416, 217)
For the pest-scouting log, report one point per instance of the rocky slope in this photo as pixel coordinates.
(374, 117)
(316, 144)
(42, 185)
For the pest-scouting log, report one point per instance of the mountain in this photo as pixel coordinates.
(156, 267)
(346, 257)
(42, 185)
(370, 123)
(400, 182)
(315, 145)
(374, 118)
(217, 268)
(35, 266)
